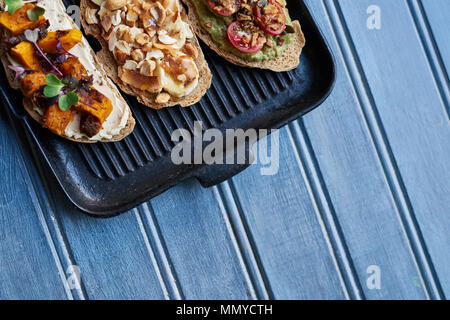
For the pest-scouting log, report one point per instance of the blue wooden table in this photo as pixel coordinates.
(360, 208)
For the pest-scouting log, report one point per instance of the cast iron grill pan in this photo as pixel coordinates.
(109, 178)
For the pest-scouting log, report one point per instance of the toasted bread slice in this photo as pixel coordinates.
(30, 107)
(288, 60)
(106, 58)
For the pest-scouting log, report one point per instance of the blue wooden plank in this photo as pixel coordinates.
(244, 242)
(415, 125)
(349, 183)
(273, 205)
(28, 267)
(114, 259)
(289, 239)
(202, 250)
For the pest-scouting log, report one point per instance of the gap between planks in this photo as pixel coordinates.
(384, 153)
(242, 240)
(50, 223)
(324, 210)
(158, 252)
(159, 255)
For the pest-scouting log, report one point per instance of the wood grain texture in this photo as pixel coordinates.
(206, 261)
(112, 255)
(436, 16)
(282, 220)
(416, 124)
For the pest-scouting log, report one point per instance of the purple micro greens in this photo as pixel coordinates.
(18, 71)
(61, 50)
(33, 36)
(89, 105)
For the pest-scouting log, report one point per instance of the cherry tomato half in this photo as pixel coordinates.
(264, 20)
(236, 35)
(218, 8)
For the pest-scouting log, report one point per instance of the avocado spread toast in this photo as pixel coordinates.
(251, 33)
(63, 86)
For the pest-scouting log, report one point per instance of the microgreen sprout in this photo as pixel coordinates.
(13, 5)
(67, 100)
(55, 88)
(35, 13)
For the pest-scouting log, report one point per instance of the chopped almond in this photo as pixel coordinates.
(142, 39)
(148, 67)
(137, 55)
(158, 13)
(130, 65)
(147, 48)
(191, 50)
(162, 98)
(132, 17)
(91, 16)
(106, 22)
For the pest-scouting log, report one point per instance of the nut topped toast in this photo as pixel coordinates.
(149, 50)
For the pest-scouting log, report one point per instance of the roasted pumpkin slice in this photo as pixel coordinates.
(56, 119)
(69, 38)
(32, 83)
(73, 67)
(18, 22)
(92, 102)
(25, 54)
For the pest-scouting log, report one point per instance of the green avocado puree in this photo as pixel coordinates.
(219, 26)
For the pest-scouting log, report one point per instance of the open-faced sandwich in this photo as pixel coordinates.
(64, 88)
(149, 49)
(250, 33)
